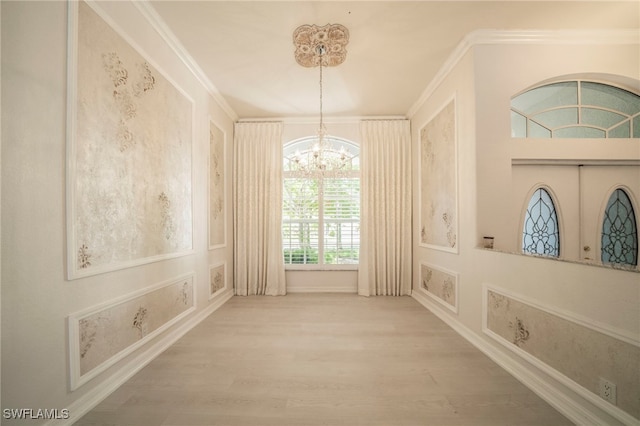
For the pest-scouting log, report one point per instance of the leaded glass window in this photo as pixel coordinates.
(576, 109)
(619, 231)
(540, 234)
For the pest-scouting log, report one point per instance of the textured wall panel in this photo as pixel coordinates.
(103, 335)
(576, 350)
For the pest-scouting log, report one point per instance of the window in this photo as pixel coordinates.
(540, 234)
(321, 208)
(619, 231)
(576, 109)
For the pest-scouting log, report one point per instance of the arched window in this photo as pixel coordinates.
(321, 204)
(619, 231)
(576, 109)
(540, 234)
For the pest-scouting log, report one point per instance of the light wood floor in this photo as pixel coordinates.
(322, 359)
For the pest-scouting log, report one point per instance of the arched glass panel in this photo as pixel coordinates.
(609, 97)
(518, 125)
(557, 117)
(535, 130)
(579, 132)
(540, 234)
(621, 131)
(576, 109)
(619, 232)
(601, 118)
(546, 97)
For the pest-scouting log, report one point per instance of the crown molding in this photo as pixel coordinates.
(541, 37)
(147, 10)
(327, 120)
(559, 37)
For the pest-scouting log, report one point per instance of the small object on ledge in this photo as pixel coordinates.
(487, 242)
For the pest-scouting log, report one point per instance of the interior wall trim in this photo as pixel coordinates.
(226, 199)
(226, 286)
(77, 377)
(615, 333)
(612, 410)
(446, 197)
(575, 409)
(323, 289)
(542, 37)
(72, 145)
(158, 24)
(453, 308)
(571, 162)
(89, 400)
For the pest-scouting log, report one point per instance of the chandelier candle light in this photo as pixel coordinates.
(322, 47)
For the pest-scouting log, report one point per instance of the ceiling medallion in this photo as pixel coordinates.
(310, 39)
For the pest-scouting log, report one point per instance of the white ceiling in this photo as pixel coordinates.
(395, 49)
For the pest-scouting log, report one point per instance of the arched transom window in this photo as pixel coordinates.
(321, 204)
(576, 109)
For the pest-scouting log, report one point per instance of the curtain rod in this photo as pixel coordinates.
(328, 120)
(257, 121)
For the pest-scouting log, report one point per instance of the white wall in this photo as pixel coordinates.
(459, 83)
(528, 66)
(484, 79)
(36, 297)
(494, 87)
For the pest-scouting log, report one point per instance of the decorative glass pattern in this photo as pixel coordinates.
(576, 109)
(540, 234)
(321, 209)
(619, 231)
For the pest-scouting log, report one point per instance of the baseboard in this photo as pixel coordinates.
(321, 289)
(88, 401)
(572, 408)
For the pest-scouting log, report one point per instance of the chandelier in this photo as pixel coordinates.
(321, 47)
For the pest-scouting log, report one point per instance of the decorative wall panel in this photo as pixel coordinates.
(440, 284)
(217, 279)
(438, 182)
(575, 350)
(217, 196)
(129, 171)
(103, 335)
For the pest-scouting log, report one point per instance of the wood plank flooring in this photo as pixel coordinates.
(322, 359)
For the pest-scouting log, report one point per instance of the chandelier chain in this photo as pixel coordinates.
(322, 158)
(320, 52)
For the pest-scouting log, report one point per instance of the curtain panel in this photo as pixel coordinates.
(385, 222)
(258, 260)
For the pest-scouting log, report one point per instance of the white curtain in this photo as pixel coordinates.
(385, 221)
(258, 261)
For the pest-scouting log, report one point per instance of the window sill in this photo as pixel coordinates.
(320, 268)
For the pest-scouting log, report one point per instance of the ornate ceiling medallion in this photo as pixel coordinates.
(313, 43)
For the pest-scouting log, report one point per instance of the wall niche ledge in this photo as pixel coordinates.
(616, 266)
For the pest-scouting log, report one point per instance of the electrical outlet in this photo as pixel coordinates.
(608, 390)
